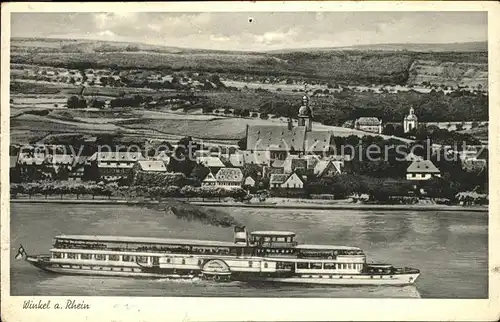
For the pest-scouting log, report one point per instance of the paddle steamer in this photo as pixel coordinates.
(266, 256)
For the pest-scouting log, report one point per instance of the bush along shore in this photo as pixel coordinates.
(162, 198)
(65, 190)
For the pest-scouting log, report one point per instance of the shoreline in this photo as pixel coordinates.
(269, 206)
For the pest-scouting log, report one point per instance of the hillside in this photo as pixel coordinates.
(450, 47)
(349, 65)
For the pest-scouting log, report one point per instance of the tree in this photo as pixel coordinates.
(97, 103)
(388, 129)
(242, 143)
(200, 172)
(62, 173)
(73, 102)
(252, 170)
(183, 159)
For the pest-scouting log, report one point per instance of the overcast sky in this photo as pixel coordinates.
(257, 30)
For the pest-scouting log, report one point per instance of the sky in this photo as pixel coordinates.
(256, 30)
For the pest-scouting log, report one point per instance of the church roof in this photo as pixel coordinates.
(317, 141)
(275, 138)
(280, 138)
(411, 117)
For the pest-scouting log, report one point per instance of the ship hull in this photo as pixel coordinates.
(138, 272)
(90, 270)
(359, 280)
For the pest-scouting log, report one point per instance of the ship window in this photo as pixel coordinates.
(329, 265)
(113, 257)
(56, 255)
(265, 265)
(250, 264)
(100, 257)
(86, 256)
(302, 265)
(142, 259)
(183, 261)
(168, 260)
(71, 256)
(128, 258)
(316, 265)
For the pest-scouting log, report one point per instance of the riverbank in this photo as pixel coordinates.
(295, 205)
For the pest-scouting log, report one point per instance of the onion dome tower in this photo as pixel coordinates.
(410, 121)
(305, 113)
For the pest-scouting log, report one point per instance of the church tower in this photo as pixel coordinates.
(411, 121)
(305, 114)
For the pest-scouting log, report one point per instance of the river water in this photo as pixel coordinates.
(450, 249)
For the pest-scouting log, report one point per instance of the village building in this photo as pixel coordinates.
(368, 124)
(294, 181)
(293, 162)
(76, 174)
(287, 181)
(115, 165)
(237, 160)
(151, 166)
(249, 182)
(209, 181)
(162, 156)
(212, 163)
(229, 178)
(327, 169)
(277, 179)
(267, 143)
(422, 170)
(410, 121)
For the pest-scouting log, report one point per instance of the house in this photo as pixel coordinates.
(249, 182)
(294, 181)
(213, 163)
(209, 180)
(327, 169)
(115, 165)
(229, 178)
(277, 179)
(13, 161)
(287, 181)
(162, 156)
(237, 160)
(293, 162)
(422, 170)
(368, 124)
(76, 174)
(151, 166)
(57, 161)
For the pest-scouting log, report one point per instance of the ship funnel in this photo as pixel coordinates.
(240, 235)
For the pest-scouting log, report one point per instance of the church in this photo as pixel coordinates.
(268, 143)
(410, 121)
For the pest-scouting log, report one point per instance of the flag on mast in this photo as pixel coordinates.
(21, 253)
